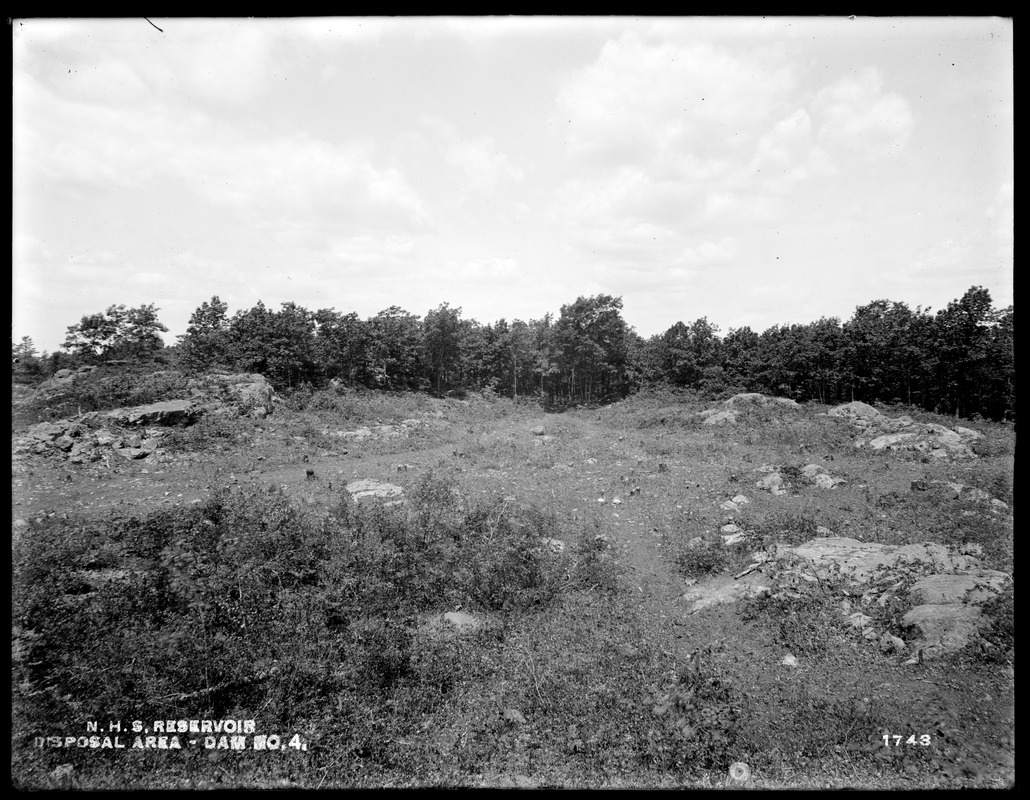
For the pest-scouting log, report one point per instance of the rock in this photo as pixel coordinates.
(729, 505)
(370, 489)
(514, 716)
(170, 412)
(730, 529)
(892, 644)
(728, 540)
(538, 430)
(968, 433)
(943, 628)
(822, 530)
(721, 418)
(759, 399)
(855, 410)
(554, 545)
(245, 393)
(811, 470)
(772, 483)
(725, 589)
(860, 621)
(104, 437)
(973, 587)
(789, 661)
(827, 482)
(740, 500)
(863, 560)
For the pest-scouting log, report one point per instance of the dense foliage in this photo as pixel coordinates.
(957, 361)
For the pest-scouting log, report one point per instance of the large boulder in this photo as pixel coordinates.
(759, 399)
(855, 411)
(247, 393)
(905, 434)
(170, 412)
(370, 490)
(943, 627)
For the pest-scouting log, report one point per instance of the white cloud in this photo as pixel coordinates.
(480, 164)
(640, 100)
(856, 114)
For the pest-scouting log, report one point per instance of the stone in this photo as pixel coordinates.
(170, 412)
(789, 660)
(514, 716)
(723, 589)
(759, 399)
(973, 587)
(370, 489)
(827, 482)
(771, 483)
(740, 500)
(538, 430)
(721, 418)
(811, 470)
(731, 539)
(104, 437)
(943, 628)
(729, 505)
(462, 621)
(730, 528)
(554, 545)
(855, 410)
(892, 644)
(863, 560)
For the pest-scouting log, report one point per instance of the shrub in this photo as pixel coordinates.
(701, 715)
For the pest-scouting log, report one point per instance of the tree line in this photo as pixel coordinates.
(959, 360)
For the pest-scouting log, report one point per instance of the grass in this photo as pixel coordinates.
(297, 606)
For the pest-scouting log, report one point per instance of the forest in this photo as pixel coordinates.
(958, 360)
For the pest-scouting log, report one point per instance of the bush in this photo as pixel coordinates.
(700, 719)
(698, 561)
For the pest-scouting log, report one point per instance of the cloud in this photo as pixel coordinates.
(641, 100)
(479, 163)
(855, 114)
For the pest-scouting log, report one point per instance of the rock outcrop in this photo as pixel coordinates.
(950, 587)
(881, 433)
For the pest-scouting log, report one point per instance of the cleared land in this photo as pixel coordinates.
(230, 574)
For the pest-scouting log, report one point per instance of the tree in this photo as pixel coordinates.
(25, 361)
(394, 348)
(206, 341)
(118, 331)
(340, 344)
(442, 338)
(591, 339)
(965, 331)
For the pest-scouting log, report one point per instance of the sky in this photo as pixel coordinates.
(753, 171)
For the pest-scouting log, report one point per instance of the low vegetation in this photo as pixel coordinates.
(234, 577)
